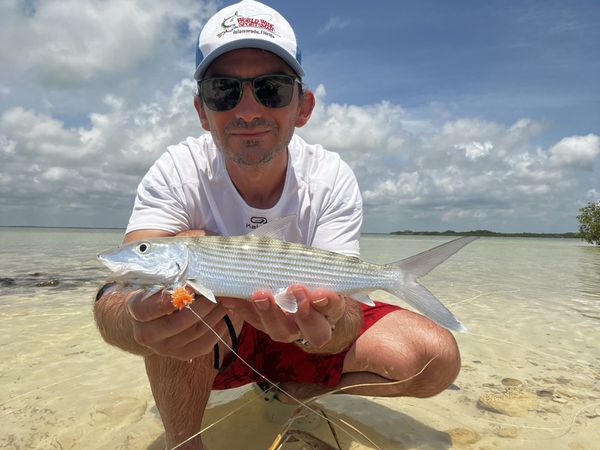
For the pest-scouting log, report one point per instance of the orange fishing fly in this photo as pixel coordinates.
(180, 298)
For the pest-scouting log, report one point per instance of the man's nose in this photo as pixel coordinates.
(248, 108)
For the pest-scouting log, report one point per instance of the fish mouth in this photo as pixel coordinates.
(123, 272)
(113, 266)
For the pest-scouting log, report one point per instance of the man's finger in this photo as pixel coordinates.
(195, 341)
(328, 303)
(180, 321)
(148, 309)
(314, 326)
(155, 333)
(279, 326)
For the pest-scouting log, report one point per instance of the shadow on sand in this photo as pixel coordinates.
(249, 428)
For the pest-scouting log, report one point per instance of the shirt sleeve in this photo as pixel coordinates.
(338, 227)
(159, 202)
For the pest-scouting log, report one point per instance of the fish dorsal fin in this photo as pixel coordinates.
(275, 229)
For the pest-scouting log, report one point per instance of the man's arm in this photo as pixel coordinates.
(110, 308)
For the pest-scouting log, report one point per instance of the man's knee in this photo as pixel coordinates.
(442, 356)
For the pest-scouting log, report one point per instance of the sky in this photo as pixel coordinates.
(454, 115)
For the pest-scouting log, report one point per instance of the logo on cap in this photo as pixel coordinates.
(256, 24)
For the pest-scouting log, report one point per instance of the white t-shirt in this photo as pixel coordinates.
(188, 188)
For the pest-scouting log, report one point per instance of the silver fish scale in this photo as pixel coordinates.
(238, 266)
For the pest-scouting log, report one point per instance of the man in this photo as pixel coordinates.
(248, 170)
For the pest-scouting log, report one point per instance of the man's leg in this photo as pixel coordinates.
(181, 390)
(401, 345)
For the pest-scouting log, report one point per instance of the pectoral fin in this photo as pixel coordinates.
(286, 301)
(363, 297)
(201, 289)
(151, 291)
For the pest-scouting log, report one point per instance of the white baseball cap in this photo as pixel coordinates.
(247, 24)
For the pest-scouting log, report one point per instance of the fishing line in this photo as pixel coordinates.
(583, 365)
(36, 389)
(216, 422)
(273, 385)
(566, 428)
(482, 294)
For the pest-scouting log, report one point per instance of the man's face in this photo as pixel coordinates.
(251, 134)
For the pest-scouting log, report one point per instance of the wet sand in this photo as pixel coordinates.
(64, 388)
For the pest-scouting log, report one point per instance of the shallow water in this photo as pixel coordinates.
(532, 307)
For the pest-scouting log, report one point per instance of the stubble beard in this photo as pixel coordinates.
(250, 153)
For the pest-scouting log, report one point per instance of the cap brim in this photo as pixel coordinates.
(248, 43)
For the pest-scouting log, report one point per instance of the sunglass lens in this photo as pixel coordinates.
(274, 91)
(220, 94)
(223, 94)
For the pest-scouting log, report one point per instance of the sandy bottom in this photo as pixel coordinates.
(528, 381)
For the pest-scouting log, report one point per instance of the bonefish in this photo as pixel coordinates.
(237, 266)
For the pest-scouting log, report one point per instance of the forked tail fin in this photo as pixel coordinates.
(416, 294)
(424, 262)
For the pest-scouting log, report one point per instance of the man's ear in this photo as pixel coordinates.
(307, 104)
(201, 113)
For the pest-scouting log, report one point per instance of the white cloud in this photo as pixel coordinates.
(593, 194)
(64, 57)
(466, 170)
(363, 134)
(71, 42)
(335, 23)
(475, 150)
(90, 97)
(576, 151)
(7, 146)
(93, 95)
(40, 135)
(47, 165)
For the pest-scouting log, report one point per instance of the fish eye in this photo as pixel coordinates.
(143, 247)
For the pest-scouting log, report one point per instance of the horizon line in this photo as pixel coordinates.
(479, 232)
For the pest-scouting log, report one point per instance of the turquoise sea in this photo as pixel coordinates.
(531, 358)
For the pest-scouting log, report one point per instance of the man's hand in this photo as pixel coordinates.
(159, 326)
(318, 313)
(154, 325)
(166, 331)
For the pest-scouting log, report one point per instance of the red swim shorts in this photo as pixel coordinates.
(280, 361)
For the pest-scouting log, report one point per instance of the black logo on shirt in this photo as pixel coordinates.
(256, 222)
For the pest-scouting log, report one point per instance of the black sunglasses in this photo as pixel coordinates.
(224, 93)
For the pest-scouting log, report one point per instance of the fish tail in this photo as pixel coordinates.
(417, 295)
(423, 300)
